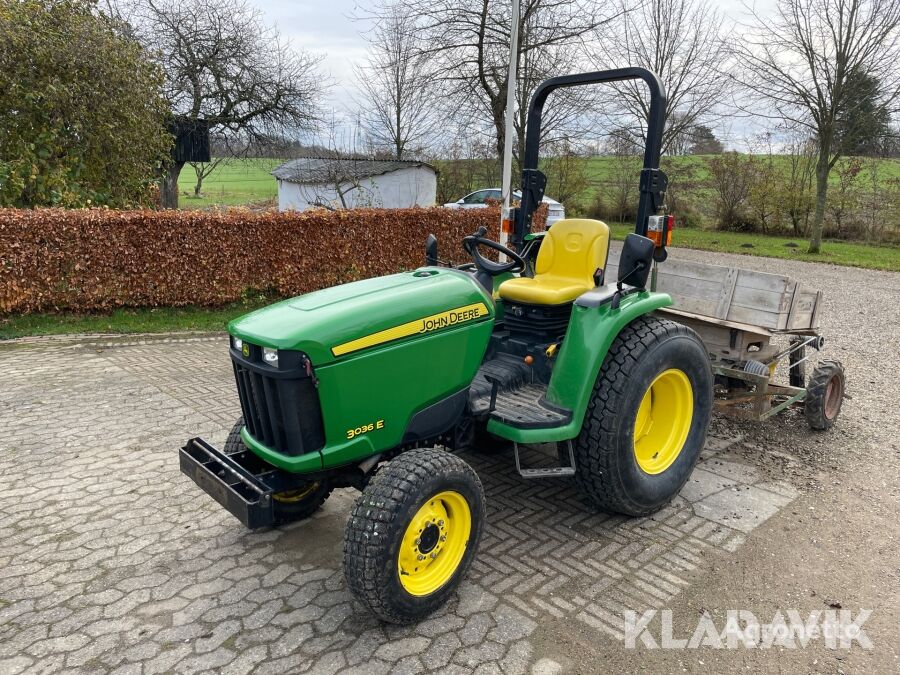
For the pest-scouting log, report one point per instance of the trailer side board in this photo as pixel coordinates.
(765, 301)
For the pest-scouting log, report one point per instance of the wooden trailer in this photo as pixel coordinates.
(750, 322)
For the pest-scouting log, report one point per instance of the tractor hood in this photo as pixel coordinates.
(341, 321)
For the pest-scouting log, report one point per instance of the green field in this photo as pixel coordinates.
(246, 181)
(833, 252)
(235, 182)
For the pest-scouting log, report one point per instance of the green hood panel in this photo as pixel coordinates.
(353, 317)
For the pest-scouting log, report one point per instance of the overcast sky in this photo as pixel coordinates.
(328, 28)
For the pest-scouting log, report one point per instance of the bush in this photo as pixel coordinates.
(731, 176)
(81, 116)
(98, 259)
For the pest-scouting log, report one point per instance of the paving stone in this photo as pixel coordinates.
(517, 658)
(703, 483)
(393, 651)
(67, 643)
(441, 650)
(246, 661)
(475, 655)
(473, 599)
(17, 664)
(438, 625)
(112, 559)
(292, 640)
(373, 667)
(475, 629)
(211, 660)
(742, 507)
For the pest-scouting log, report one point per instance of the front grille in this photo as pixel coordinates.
(282, 413)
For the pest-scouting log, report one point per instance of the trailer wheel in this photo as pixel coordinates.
(292, 505)
(413, 534)
(825, 395)
(647, 418)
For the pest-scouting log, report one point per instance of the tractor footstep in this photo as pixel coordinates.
(547, 472)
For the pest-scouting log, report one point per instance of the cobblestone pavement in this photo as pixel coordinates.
(111, 560)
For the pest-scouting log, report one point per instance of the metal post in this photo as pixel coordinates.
(506, 187)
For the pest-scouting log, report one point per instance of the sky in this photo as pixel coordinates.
(327, 29)
(334, 30)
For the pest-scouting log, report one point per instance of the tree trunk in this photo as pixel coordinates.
(822, 170)
(199, 186)
(168, 189)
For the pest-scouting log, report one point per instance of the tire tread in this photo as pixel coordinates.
(595, 448)
(814, 403)
(387, 498)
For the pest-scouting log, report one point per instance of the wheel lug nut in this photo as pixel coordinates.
(433, 556)
(418, 541)
(443, 537)
(440, 523)
(420, 557)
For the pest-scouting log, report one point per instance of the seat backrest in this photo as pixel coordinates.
(573, 248)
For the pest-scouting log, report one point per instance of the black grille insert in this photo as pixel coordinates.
(282, 412)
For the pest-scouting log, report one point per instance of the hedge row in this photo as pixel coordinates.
(98, 259)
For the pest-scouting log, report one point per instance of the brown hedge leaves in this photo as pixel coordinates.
(99, 259)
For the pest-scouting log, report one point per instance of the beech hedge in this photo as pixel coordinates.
(88, 260)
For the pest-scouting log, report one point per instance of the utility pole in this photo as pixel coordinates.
(505, 223)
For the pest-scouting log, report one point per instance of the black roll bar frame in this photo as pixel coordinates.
(653, 182)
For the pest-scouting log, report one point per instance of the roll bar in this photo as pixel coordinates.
(653, 181)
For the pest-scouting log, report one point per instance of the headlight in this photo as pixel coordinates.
(270, 356)
(237, 343)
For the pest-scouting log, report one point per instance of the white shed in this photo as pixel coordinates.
(347, 183)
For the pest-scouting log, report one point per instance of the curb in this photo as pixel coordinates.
(110, 339)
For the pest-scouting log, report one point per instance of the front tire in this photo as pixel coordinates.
(647, 418)
(413, 534)
(292, 505)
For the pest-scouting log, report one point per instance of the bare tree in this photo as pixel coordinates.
(203, 170)
(683, 42)
(398, 106)
(622, 185)
(800, 62)
(731, 176)
(223, 64)
(467, 48)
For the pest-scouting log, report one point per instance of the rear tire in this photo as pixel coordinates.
(292, 505)
(413, 534)
(825, 395)
(656, 378)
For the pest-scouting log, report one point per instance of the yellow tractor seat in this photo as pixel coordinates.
(571, 253)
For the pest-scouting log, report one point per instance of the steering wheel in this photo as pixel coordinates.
(473, 241)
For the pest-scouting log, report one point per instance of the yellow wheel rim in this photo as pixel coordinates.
(663, 421)
(434, 543)
(294, 496)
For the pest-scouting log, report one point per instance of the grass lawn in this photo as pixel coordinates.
(150, 320)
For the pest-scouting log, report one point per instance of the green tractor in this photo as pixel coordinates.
(373, 384)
